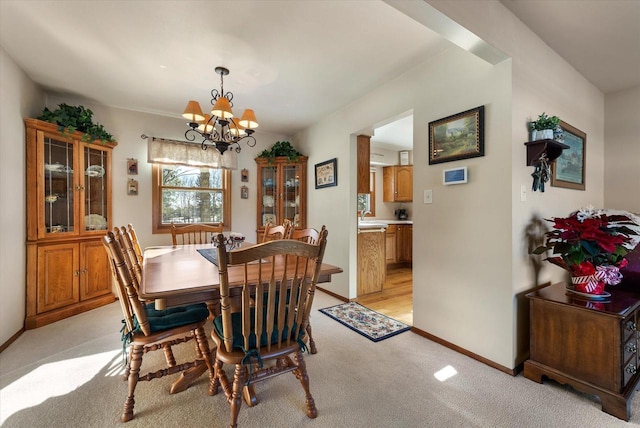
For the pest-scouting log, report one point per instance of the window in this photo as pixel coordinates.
(367, 201)
(184, 195)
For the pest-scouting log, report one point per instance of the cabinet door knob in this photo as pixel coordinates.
(631, 347)
(76, 273)
(631, 369)
(631, 326)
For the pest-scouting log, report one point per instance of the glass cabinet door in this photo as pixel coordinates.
(291, 194)
(95, 189)
(269, 196)
(59, 186)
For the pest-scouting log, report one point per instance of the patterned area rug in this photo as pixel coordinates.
(371, 324)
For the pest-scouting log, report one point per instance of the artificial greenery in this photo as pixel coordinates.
(281, 148)
(76, 118)
(545, 122)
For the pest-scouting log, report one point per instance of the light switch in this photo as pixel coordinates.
(428, 196)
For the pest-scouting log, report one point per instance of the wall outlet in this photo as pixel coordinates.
(428, 196)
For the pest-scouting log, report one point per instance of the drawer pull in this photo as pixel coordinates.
(630, 369)
(631, 326)
(631, 348)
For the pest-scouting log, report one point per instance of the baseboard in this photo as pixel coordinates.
(511, 372)
(12, 339)
(337, 296)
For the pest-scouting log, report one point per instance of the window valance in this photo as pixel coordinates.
(174, 152)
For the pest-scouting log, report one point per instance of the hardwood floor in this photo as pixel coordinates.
(396, 298)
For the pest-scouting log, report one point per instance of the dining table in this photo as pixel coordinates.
(176, 275)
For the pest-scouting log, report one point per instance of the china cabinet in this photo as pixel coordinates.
(397, 183)
(68, 212)
(282, 192)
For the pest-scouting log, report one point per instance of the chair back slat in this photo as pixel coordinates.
(281, 297)
(125, 281)
(274, 232)
(126, 245)
(136, 243)
(194, 233)
(308, 235)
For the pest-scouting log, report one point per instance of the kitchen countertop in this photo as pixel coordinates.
(371, 223)
(394, 221)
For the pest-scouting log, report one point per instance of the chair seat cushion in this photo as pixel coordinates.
(165, 319)
(238, 338)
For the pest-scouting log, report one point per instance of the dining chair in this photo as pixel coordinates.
(194, 233)
(274, 232)
(147, 329)
(310, 236)
(124, 238)
(260, 339)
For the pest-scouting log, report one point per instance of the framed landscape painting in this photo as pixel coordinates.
(460, 136)
(568, 170)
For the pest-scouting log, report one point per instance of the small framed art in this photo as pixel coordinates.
(244, 192)
(132, 166)
(327, 173)
(132, 187)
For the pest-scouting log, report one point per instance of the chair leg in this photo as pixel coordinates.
(301, 374)
(168, 355)
(236, 394)
(312, 343)
(135, 363)
(204, 350)
(127, 368)
(214, 384)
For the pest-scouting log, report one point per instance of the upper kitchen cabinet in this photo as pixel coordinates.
(282, 192)
(397, 183)
(68, 212)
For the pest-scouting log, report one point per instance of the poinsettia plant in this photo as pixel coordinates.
(590, 242)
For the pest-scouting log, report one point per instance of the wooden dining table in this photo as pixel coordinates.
(176, 275)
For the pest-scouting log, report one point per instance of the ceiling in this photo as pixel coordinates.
(293, 62)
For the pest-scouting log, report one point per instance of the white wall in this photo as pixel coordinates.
(20, 98)
(127, 126)
(622, 151)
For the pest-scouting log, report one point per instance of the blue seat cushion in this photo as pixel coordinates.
(166, 319)
(238, 338)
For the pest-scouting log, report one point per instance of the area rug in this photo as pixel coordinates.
(371, 324)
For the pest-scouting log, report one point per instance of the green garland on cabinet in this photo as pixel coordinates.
(280, 148)
(76, 118)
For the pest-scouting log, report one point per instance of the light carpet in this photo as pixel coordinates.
(371, 324)
(68, 374)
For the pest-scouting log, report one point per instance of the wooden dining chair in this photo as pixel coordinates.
(310, 236)
(194, 233)
(260, 339)
(147, 329)
(274, 232)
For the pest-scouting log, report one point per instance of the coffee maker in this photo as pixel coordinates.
(401, 214)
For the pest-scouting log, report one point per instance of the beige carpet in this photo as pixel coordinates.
(69, 375)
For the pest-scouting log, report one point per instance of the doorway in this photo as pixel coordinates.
(396, 297)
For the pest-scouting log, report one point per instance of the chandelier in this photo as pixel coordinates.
(220, 129)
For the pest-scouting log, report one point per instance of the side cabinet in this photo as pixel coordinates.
(590, 345)
(68, 212)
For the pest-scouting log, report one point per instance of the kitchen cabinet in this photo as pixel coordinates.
(404, 248)
(282, 192)
(588, 344)
(399, 243)
(371, 261)
(68, 212)
(397, 183)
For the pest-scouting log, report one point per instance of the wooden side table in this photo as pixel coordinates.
(591, 345)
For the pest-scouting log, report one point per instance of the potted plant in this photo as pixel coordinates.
(591, 244)
(543, 127)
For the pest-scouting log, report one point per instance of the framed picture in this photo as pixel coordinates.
(327, 173)
(568, 170)
(244, 175)
(460, 136)
(132, 166)
(454, 176)
(244, 192)
(404, 157)
(132, 187)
